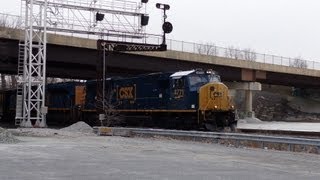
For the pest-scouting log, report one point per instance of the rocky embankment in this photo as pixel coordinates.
(270, 106)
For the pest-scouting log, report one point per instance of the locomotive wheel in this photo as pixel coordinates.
(233, 127)
(210, 127)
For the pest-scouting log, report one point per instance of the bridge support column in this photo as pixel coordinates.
(248, 109)
(248, 87)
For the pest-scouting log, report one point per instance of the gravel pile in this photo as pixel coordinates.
(80, 126)
(7, 137)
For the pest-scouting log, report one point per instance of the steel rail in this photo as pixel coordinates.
(229, 136)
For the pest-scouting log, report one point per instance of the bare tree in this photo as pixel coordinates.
(249, 54)
(13, 83)
(3, 81)
(232, 52)
(51, 80)
(208, 49)
(112, 117)
(3, 21)
(8, 81)
(10, 22)
(299, 63)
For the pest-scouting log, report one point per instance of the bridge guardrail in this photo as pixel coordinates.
(241, 54)
(15, 21)
(10, 21)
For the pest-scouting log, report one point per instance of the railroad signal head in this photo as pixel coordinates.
(167, 27)
(99, 16)
(163, 6)
(144, 20)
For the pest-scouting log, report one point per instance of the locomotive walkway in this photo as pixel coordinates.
(75, 57)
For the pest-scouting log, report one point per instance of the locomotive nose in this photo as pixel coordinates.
(214, 96)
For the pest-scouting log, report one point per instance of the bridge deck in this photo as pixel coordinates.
(74, 57)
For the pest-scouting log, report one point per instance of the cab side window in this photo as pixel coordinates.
(178, 83)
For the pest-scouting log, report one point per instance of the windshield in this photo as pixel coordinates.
(214, 78)
(196, 81)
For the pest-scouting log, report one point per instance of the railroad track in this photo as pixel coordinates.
(282, 143)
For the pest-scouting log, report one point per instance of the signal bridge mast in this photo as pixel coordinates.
(116, 20)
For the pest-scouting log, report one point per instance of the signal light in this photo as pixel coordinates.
(163, 6)
(144, 20)
(167, 27)
(99, 16)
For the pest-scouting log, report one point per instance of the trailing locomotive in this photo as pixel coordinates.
(64, 101)
(194, 99)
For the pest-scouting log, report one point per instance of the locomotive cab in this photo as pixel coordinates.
(208, 95)
(216, 109)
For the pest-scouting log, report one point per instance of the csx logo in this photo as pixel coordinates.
(214, 94)
(126, 92)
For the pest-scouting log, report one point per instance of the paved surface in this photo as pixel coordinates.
(283, 126)
(91, 157)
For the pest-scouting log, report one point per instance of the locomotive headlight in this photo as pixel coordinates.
(216, 107)
(209, 71)
(232, 107)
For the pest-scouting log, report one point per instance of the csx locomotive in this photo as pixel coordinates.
(193, 99)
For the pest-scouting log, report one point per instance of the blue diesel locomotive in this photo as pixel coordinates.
(194, 99)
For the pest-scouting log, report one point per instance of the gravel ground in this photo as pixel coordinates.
(7, 137)
(44, 132)
(280, 126)
(75, 130)
(92, 157)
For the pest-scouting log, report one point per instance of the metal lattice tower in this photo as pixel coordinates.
(121, 22)
(30, 107)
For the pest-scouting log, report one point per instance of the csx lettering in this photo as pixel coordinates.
(126, 93)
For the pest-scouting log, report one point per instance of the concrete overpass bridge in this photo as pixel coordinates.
(74, 57)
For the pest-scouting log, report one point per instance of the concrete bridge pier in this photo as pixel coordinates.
(248, 101)
(248, 87)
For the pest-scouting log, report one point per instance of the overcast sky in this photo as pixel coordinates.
(281, 27)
